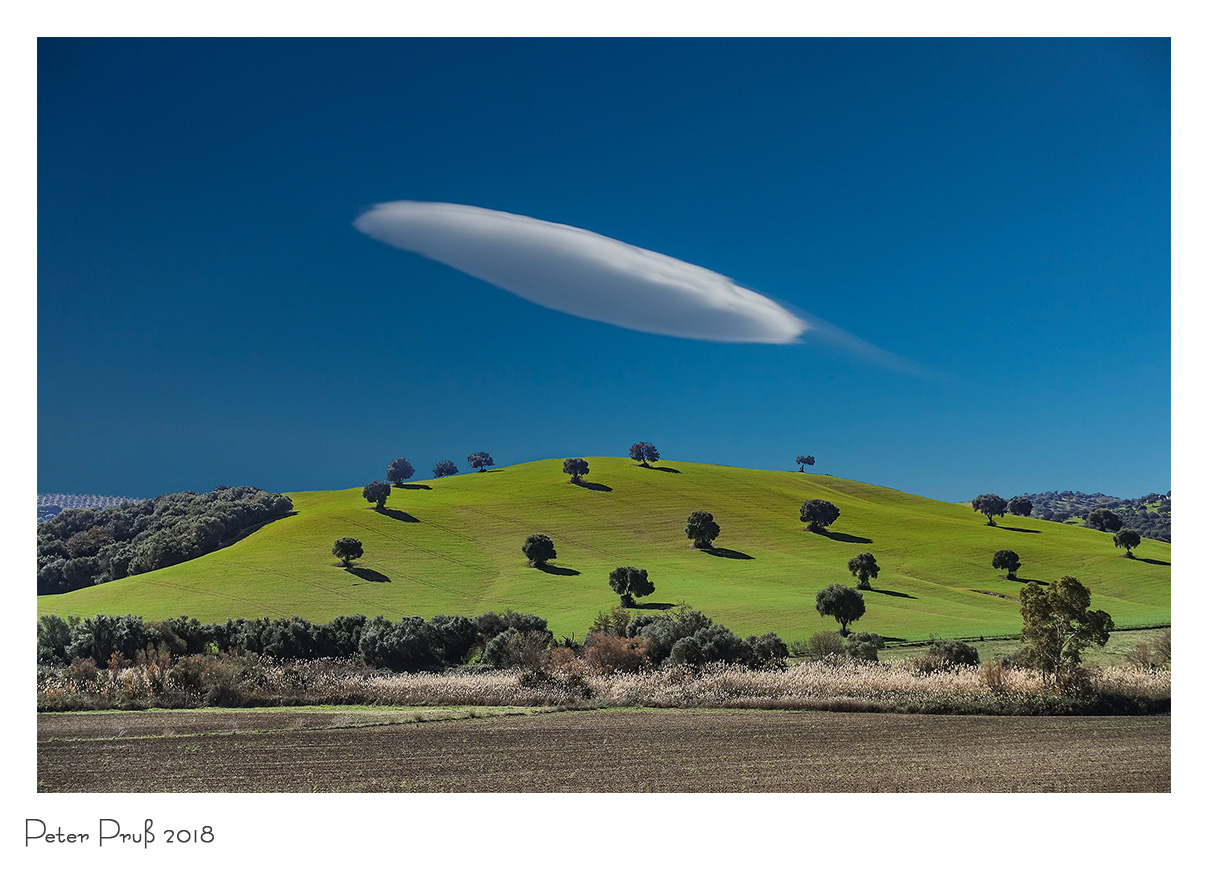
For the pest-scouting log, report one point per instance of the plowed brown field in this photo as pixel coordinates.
(598, 751)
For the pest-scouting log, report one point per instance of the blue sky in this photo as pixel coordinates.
(994, 212)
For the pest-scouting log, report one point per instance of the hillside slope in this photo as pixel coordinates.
(453, 546)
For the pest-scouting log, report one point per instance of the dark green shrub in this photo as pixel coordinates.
(943, 654)
(864, 646)
(515, 648)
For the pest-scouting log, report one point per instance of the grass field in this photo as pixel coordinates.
(452, 546)
(612, 751)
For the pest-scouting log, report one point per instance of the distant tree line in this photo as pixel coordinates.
(1150, 516)
(82, 547)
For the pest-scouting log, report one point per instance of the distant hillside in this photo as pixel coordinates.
(452, 546)
(1150, 516)
(50, 506)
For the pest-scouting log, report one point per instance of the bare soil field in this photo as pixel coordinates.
(502, 750)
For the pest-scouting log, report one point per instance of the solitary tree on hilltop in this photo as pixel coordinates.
(1006, 559)
(1058, 624)
(539, 549)
(989, 506)
(376, 493)
(1127, 538)
(577, 468)
(1104, 520)
(803, 461)
(843, 602)
(863, 567)
(819, 514)
(444, 468)
(644, 452)
(630, 582)
(1020, 506)
(398, 471)
(482, 461)
(347, 549)
(702, 529)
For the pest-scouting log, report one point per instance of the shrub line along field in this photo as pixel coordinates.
(452, 546)
(621, 750)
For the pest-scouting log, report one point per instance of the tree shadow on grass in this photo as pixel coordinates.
(412, 486)
(556, 570)
(398, 514)
(665, 469)
(841, 537)
(367, 574)
(891, 593)
(1021, 530)
(595, 487)
(1022, 580)
(1152, 561)
(651, 606)
(723, 552)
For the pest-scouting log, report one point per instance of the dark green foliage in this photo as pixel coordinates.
(82, 547)
(288, 638)
(515, 648)
(863, 646)
(989, 506)
(481, 461)
(690, 637)
(863, 567)
(821, 646)
(843, 602)
(702, 529)
(644, 452)
(347, 549)
(491, 625)
(1149, 515)
(1059, 624)
(398, 471)
(1127, 538)
(613, 623)
(686, 651)
(539, 549)
(1104, 520)
(54, 638)
(630, 582)
(1020, 506)
(943, 654)
(819, 514)
(767, 651)
(577, 468)
(1006, 559)
(444, 468)
(376, 493)
(100, 637)
(803, 461)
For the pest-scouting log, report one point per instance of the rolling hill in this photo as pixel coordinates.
(453, 546)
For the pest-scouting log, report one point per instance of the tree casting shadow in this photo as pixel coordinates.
(1021, 530)
(891, 593)
(398, 514)
(367, 574)
(841, 537)
(595, 487)
(723, 552)
(557, 571)
(665, 470)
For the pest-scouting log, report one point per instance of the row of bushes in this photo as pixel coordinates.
(82, 547)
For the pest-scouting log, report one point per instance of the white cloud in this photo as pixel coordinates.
(582, 273)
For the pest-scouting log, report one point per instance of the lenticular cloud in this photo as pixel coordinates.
(582, 273)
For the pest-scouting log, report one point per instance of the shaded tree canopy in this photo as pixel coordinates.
(577, 468)
(398, 471)
(803, 461)
(819, 514)
(1127, 538)
(843, 602)
(630, 582)
(347, 549)
(1020, 506)
(444, 468)
(863, 567)
(539, 549)
(1006, 559)
(1104, 519)
(989, 506)
(702, 529)
(1058, 624)
(644, 452)
(376, 493)
(482, 461)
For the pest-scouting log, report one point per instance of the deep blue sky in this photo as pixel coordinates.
(995, 211)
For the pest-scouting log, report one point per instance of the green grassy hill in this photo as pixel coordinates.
(452, 546)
